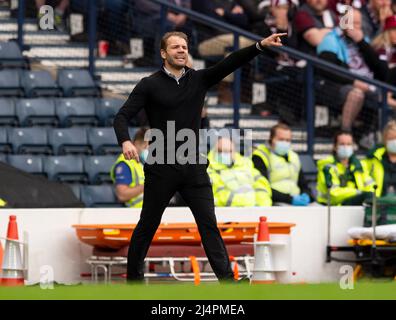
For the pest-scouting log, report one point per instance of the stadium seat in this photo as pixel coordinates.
(5, 147)
(76, 188)
(3, 157)
(69, 141)
(10, 83)
(103, 141)
(77, 83)
(7, 112)
(76, 111)
(106, 109)
(29, 140)
(11, 55)
(98, 168)
(99, 196)
(65, 169)
(39, 83)
(27, 163)
(39, 111)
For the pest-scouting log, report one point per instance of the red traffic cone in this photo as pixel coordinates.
(12, 261)
(263, 233)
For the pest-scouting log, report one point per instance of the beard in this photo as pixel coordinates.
(175, 64)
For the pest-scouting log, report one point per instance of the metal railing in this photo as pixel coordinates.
(312, 62)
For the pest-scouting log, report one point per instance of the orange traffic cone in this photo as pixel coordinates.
(12, 261)
(263, 271)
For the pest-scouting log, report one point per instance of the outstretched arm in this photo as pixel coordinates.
(215, 74)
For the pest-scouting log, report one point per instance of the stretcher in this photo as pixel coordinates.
(372, 256)
(176, 245)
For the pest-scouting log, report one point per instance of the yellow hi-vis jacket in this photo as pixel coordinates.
(331, 171)
(137, 174)
(240, 185)
(282, 174)
(376, 168)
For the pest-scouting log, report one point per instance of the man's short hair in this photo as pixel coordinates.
(280, 125)
(164, 40)
(139, 135)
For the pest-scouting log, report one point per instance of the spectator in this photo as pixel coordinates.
(374, 13)
(146, 24)
(58, 12)
(235, 181)
(282, 167)
(385, 44)
(348, 48)
(382, 162)
(342, 176)
(128, 176)
(312, 22)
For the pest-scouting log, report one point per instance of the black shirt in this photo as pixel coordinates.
(165, 99)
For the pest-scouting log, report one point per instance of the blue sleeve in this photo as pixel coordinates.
(123, 174)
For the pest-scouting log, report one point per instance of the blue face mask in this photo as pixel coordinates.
(391, 146)
(224, 158)
(143, 156)
(282, 148)
(344, 152)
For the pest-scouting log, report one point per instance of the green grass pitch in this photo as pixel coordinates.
(206, 291)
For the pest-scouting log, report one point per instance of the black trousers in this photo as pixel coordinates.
(193, 184)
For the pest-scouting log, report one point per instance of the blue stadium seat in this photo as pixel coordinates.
(103, 141)
(76, 111)
(65, 169)
(5, 147)
(3, 157)
(98, 168)
(7, 112)
(39, 111)
(29, 140)
(76, 82)
(39, 83)
(27, 163)
(99, 196)
(10, 83)
(69, 141)
(11, 55)
(106, 109)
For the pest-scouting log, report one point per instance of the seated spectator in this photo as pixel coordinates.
(342, 176)
(348, 48)
(385, 44)
(374, 14)
(146, 24)
(59, 12)
(235, 182)
(382, 162)
(312, 22)
(282, 167)
(128, 176)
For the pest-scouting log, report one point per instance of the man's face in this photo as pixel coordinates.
(318, 5)
(357, 20)
(282, 135)
(176, 53)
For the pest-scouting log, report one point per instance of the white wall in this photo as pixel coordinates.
(53, 241)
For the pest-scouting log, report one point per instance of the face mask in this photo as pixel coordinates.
(224, 158)
(143, 155)
(344, 152)
(391, 146)
(282, 147)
